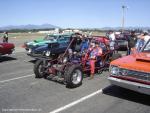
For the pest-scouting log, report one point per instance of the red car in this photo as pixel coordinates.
(6, 48)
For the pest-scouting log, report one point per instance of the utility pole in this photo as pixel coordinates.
(123, 17)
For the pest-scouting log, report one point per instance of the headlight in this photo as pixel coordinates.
(114, 70)
(47, 53)
(124, 72)
(30, 50)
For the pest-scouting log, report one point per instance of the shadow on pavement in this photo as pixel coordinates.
(126, 94)
(7, 58)
(33, 61)
(56, 80)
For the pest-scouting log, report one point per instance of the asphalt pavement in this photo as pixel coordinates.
(20, 92)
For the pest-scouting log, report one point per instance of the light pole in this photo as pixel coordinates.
(123, 17)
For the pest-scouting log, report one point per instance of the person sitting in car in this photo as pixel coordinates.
(84, 45)
(75, 42)
(93, 53)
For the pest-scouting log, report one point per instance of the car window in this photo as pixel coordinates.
(63, 38)
(67, 38)
(48, 37)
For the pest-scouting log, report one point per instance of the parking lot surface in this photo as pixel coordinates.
(20, 92)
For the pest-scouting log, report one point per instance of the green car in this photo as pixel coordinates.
(39, 42)
(52, 38)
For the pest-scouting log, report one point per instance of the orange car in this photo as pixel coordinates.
(133, 71)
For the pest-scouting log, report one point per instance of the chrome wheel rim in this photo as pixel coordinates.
(76, 77)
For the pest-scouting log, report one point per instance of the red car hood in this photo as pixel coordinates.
(139, 62)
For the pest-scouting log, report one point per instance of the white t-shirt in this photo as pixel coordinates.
(112, 37)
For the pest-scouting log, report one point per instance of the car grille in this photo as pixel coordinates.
(135, 74)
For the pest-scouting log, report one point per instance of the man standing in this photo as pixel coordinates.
(143, 38)
(84, 44)
(140, 42)
(131, 42)
(5, 37)
(112, 39)
(146, 37)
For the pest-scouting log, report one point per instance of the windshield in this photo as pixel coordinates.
(147, 47)
(49, 37)
(64, 38)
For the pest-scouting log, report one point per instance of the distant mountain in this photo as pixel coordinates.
(49, 26)
(127, 28)
(29, 26)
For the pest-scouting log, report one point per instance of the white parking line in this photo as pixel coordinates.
(8, 80)
(76, 102)
(15, 73)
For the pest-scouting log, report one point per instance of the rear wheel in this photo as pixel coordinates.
(74, 76)
(39, 69)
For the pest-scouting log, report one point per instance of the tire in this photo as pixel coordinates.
(39, 73)
(76, 72)
(115, 56)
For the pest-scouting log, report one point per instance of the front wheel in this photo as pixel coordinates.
(74, 76)
(39, 69)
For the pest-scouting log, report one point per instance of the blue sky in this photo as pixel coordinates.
(75, 13)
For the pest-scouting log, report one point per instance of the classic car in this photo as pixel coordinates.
(133, 71)
(39, 42)
(51, 49)
(6, 48)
